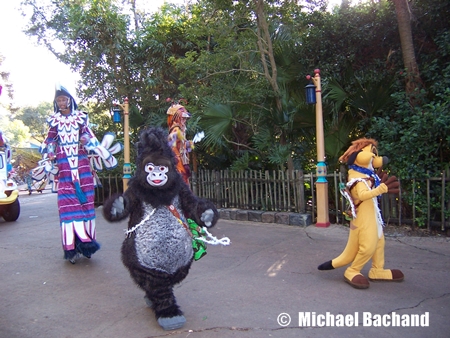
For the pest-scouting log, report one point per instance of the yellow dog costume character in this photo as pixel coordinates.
(366, 238)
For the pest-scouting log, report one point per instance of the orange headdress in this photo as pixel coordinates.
(175, 113)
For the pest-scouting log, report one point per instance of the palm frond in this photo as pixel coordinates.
(216, 120)
(337, 94)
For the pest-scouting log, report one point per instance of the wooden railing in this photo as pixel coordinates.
(295, 192)
(253, 190)
(110, 184)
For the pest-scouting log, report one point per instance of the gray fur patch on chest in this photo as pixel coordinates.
(162, 243)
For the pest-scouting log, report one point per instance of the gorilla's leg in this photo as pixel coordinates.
(158, 287)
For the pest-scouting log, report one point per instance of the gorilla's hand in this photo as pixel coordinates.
(207, 217)
(118, 207)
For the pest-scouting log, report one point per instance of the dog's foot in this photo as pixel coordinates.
(397, 276)
(358, 282)
(326, 266)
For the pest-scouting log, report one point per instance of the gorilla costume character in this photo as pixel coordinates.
(158, 248)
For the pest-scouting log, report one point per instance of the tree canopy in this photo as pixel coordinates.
(241, 68)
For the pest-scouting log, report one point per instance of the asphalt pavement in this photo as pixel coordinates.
(265, 284)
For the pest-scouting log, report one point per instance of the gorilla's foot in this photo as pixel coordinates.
(326, 266)
(172, 323)
(167, 311)
(358, 282)
(397, 276)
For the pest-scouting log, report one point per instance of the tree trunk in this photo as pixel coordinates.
(413, 81)
(135, 15)
(270, 70)
(266, 49)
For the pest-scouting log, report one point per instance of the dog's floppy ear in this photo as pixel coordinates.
(352, 158)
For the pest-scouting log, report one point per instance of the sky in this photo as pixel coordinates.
(34, 71)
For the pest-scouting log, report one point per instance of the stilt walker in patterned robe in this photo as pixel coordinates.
(66, 156)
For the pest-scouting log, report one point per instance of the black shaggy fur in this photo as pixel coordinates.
(158, 285)
(87, 249)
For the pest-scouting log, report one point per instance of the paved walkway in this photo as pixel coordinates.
(236, 291)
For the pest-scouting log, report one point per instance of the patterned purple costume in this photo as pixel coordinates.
(72, 144)
(74, 175)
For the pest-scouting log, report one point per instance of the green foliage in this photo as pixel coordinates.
(210, 57)
(15, 132)
(7, 86)
(35, 118)
(416, 137)
(115, 58)
(217, 120)
(228, 72)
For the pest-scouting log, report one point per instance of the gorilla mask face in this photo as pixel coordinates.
(156, 176)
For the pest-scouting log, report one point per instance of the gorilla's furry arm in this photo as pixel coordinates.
(202, 211)
(119, 206)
